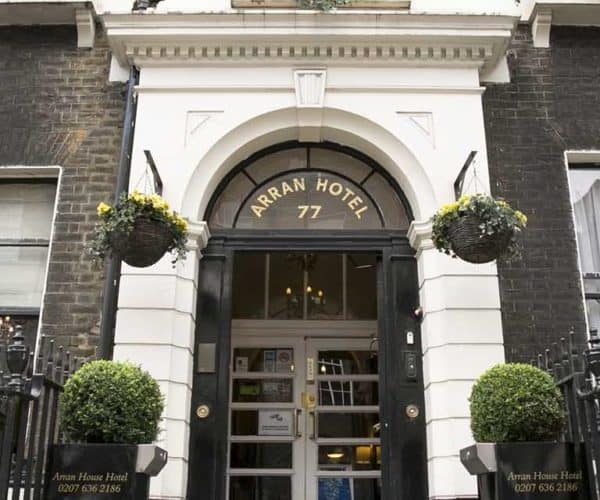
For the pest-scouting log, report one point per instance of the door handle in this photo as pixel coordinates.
(315, 425)
(297, 429)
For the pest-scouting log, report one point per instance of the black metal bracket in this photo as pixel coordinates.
(156, 179)
(460, 180)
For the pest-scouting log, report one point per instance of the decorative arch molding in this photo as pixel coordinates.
(338, 126)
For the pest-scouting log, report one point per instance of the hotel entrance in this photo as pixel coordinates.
(308, 380)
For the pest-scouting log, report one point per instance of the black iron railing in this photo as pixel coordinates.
(29, 391)
(577, 374)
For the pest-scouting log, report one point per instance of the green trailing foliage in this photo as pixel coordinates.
(111, 402)
(324, 5)
(516, 402)
(496, 216)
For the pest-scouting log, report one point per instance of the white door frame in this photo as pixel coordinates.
(327, 334)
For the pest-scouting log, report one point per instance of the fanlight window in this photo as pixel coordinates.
(308, 188)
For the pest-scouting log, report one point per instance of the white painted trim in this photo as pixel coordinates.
(573, 157)
(308, 37)
(86, 27)
(232, 87)
(540, 28)
(40, 172)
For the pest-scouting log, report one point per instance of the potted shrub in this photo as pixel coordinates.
(110, 414)
(478, 228)
(517, 418)
(139, 229)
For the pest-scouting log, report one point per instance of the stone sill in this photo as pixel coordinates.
(293, 4)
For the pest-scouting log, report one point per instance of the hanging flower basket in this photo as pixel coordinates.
(139, 230)
(478, 229)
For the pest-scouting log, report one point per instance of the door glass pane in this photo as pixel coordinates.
(260, 488)
(350, 458)
(249, 359)
(362, 286)
(286, 286)
(350, 393)
(249, 286)
(262, 423)
(349, 489)
(263, 391)
(325, 287)
(347, 362)
(261, 455)
(348, 425)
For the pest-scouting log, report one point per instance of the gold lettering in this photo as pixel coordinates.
(257, 210)
(322, 184)
(263, 199)
(335, 189)
(349, 193)
(286, 188)
(360, 211)
(299, 184)
(354, 202)
(274, 192)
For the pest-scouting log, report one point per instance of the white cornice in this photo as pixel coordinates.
(547, 13)
(286, 37)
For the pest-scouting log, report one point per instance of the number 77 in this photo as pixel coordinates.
(305, 208)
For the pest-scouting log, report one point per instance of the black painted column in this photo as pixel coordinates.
(208, 436)
(404, 447)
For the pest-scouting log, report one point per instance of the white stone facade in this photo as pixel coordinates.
(402, 87)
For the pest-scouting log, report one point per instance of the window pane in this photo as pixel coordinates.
(261, 455)
(22, 270)
(350, 458)
(248, 359)
(262, 423)
(394, 212)
(309, 200)
(260, 488)
(345, 488)
(340, 163)
(26, 210)
(339, 393)
(229, 202)
(263, 391)
(275, 163)
(348, 425)
(286, 286)
(362, 286)
(325, 287)
(347, 363)
(585, 195)
(249, 286)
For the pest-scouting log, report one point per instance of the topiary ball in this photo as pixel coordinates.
(516, 402)
(111, 402)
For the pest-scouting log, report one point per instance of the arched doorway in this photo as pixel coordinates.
(308, 380)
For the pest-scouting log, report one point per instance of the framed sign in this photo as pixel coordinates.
(274, 423)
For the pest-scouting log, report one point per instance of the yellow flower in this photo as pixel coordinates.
(103, 209)
(464, 200)
(137, 197)
(521, 217)
(448, 208)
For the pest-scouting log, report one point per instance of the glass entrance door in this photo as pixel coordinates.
(304, 420)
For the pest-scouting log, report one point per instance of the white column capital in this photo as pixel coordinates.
(419, 235)
(198, 235)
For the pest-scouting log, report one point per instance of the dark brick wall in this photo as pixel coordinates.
(551, 105)
(58, 108)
